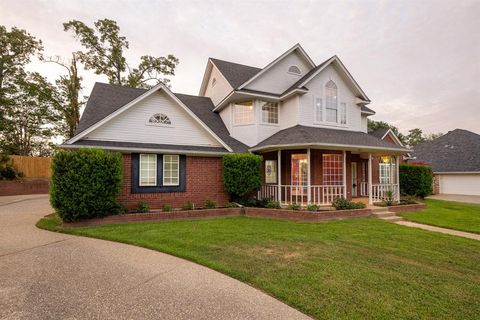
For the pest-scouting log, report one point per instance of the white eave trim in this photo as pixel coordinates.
(330, 145)
(146, 150)
(274, 62)
(138, 99)
(394, 137)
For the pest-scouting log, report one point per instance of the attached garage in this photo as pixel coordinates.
(455, 161)
(468, 184)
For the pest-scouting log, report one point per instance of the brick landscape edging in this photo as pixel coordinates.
(407, 207)
(307, 215)
(223, 212)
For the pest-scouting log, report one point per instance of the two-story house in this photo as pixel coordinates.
(308, 121)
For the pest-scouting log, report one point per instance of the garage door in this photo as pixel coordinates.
(460, 184)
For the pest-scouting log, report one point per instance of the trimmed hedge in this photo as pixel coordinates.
(415, 180)
(241, 174)
(85, 183)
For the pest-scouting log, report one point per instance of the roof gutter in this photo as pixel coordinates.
(331, 145)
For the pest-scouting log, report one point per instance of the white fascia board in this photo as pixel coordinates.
(146, 150)
(206, 75)
(274, 62)
(331, 145)
(394, 137)
(137, 100)
(345, 71)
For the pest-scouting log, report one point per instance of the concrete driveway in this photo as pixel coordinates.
(45, 275)
(456, 198)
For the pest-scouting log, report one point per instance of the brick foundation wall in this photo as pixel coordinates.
(19, 187)
(203, 181)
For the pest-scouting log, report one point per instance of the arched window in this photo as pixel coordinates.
(294, 70)
(331, 101)
(159, 118)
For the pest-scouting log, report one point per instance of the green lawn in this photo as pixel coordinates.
(453, 215)
(349, 269)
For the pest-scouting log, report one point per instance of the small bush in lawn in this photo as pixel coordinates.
(313, 207)
(408, 200)
(389, 201)
(85, 183)
(167, 208)
(294, 206)
(272, 204)
(231, 205)
(241, 174)
(415, 180)
(209, 204)
(142, 207)
(252, 202)
(343, 204)
(188, 205)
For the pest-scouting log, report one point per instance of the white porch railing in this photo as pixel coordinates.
(319, 194)
(363, 189)
(381, 192)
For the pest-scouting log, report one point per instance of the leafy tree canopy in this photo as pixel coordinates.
(104, 53)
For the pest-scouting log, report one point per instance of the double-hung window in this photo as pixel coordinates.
(318, 110)
(343, 113)
(270, 112)
(332, 169)
(148, 170)
(331, 102)
(170, 170)
(384, 170)
(243, 113)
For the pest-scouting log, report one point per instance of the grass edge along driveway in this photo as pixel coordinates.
(356, 268)
(448, 214)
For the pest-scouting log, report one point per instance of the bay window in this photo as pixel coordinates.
(243, 113)
(269, 112)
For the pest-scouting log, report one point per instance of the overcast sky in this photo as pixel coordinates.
(418, 61)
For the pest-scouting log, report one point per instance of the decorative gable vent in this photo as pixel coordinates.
(214, 80)
(294, 70)
(159, 119)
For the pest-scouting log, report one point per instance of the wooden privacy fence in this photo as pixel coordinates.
(33, 167)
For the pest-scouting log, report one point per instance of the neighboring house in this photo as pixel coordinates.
(455, 161)
(308, 121)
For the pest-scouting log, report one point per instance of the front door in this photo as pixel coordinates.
(354, 179)
(299, 168)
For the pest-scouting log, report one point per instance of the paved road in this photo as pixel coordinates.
(45, 275)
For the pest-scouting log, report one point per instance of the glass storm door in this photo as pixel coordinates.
(354, 180)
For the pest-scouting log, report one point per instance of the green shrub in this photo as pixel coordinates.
(241, 174)
(408, 200)
(85, 183)
(231, 205)
(188, 205)
(252, 202)
(294, 206)
(343, 204)
(209, 204)
(167, 208)
(313, 207)
(272, 204)
(389, 201)
(415, 180)
(7, 169)
(142, 207)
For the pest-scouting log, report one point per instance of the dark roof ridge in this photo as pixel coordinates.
(240, 64)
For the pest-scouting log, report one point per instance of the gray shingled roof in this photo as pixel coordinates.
(379, 133)
(303, 135)
(236, 74)
(456, 151)
(106, 99)
(137, 145)
(367, 109)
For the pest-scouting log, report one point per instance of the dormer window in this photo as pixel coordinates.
(159, 119)
(294, 70)
(214, 80)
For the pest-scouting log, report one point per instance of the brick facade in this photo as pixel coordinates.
(203, 181)
(24, 186)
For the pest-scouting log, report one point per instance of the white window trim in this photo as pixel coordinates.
(269, 123)
(324, 109)
(148, 123)
(140, 171)
(178, 170)
(315, 121)
(346, 114)
(234, 106)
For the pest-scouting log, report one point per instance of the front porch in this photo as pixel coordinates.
(318, 176)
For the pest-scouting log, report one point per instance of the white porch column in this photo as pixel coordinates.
(397, 167)
(391, 174)
(370, 196)
(279, 175)
(344, 174)
(309, 178)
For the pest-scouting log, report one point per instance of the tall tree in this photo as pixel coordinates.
(31, 116)
(414, 137)
(16, 50)
(375, 125)
(105, 55)
(69, 87)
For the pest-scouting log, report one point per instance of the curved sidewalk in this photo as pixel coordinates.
(48, 275)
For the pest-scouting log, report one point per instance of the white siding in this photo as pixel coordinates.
(364, 124)
(221, 88)
(289, 112)
(277, 79)
(316, 87)
(131, 125)
(468, 184)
